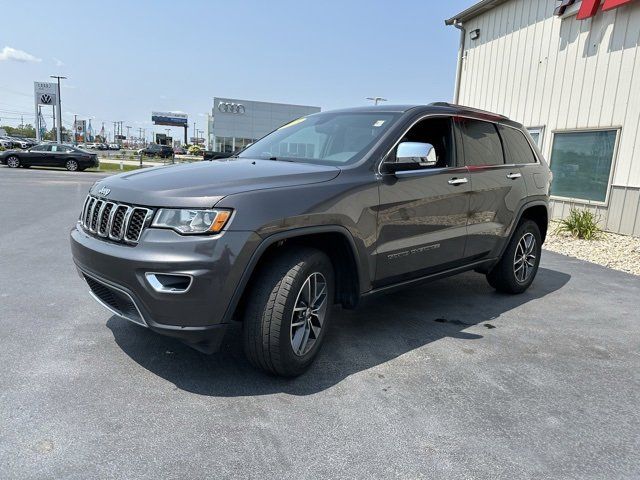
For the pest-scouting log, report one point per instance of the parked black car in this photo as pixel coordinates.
(155, 150)
(329, 209)
(50, 155)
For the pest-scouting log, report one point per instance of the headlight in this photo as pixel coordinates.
(191, 221)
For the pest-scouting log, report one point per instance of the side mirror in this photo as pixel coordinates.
(412, 155)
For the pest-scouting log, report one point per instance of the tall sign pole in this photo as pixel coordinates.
(59, 129)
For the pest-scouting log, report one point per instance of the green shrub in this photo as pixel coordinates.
(1, 148)
(581, 224)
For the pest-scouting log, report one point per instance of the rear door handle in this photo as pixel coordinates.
(513, 176)
(458, 181)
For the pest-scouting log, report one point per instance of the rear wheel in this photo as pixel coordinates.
(13, 161)
(71, 165)
(519, 264)
(288, 311)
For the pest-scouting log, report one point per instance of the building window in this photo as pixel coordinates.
(537, 135)
(581, 164)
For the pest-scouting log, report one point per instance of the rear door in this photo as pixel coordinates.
(58, 156)
(497, 188)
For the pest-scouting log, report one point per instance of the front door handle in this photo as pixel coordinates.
(458, 181)
(513, 176)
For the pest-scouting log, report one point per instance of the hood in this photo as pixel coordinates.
(205, 183)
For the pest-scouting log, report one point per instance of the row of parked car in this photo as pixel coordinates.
(100, 146)
(17, 142)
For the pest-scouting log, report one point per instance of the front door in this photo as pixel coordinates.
(422, 217)
(40, 155)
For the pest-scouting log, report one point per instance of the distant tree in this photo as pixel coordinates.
(51, 134)
(26, 131)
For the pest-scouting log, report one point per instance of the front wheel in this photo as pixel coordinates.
(288, 311)
(13, 161)
(519, 264)
(71, 165)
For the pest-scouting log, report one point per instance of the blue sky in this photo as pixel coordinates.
(125, 59)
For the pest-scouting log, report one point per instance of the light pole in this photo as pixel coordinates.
(376, 100)
(59, 128)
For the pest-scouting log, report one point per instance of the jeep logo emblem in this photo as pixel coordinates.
(104, 191)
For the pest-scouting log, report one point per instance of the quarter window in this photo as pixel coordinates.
(516, 146)
(536, 135)
(481, 143)
(581, 164)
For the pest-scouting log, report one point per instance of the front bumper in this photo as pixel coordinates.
(197, 316)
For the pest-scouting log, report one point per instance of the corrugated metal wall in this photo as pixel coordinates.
(564, 74)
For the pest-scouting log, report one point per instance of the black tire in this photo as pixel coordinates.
(507, 275)
(268, 333)
(71, 165)
(13, 161)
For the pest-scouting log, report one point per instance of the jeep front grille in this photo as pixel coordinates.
(115, 221)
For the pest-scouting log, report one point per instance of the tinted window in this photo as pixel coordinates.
(41, 148)
(481, 143)
(516, 146)
(581, 164)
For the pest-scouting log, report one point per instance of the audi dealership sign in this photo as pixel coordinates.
(230, 107)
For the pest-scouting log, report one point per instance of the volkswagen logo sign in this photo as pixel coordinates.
(228, 107)
(104, 191)
(45, 98)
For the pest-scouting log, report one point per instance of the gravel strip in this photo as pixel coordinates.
(619, 252)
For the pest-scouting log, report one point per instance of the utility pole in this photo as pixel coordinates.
(376, 100)
(75, 129)
(194, 130)
(128, 128)
(59, 129)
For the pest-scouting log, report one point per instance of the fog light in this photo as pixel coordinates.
(169, 282)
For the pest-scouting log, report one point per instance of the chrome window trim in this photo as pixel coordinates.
(451, 116)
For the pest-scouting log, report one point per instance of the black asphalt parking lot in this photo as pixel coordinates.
(445, 380)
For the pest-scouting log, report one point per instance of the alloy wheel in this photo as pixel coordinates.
(524, 260)
(309, 313)
(72, 165)
(13, 162)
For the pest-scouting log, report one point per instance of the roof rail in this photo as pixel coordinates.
(468, 109)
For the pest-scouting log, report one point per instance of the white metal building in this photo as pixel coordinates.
(569, 70)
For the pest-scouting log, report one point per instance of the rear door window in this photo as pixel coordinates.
(516, 146)
(481, 143)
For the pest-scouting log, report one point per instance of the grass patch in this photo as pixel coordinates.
(114, 168)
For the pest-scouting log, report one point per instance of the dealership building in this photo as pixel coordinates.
(570, 72)
(235, 123)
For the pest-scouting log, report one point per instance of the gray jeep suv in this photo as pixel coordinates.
(328, 209)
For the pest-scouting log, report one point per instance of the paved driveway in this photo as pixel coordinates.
(447, 380)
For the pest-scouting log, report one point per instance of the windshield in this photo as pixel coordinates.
(323, 138)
